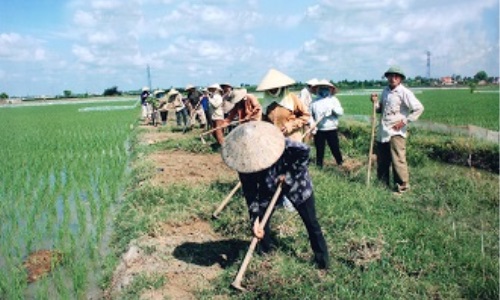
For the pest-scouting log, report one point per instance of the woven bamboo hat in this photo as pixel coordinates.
(253, 147)
(274, 79)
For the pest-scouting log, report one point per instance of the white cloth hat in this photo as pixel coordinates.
(189, 86)
(253, 147)
(312, 82)
(215, 86)
(145, 89)
(324, 82)
(238, 95)
(274, 79)
(172, 92)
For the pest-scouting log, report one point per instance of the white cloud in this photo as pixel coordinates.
(227, 40)
(16, 47)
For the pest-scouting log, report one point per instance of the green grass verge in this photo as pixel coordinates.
(438, 241)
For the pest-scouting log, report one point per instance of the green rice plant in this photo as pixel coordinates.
(446, 106)
(55, 156)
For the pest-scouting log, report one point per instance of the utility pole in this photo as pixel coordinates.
(149, 78)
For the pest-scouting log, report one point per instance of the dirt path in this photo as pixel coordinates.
(175, 250)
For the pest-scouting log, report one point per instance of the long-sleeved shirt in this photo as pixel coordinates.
(291, 114)
(259, 187)
(398, 104)
(327, 111)
(248, 109)
(216, 103)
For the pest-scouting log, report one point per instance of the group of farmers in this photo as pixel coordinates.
(267, 148)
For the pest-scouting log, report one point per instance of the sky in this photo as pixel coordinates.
(87, 46)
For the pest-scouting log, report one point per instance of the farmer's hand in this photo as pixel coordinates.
(374, 97)
(399, 125)
(287, 128)
(257, 231)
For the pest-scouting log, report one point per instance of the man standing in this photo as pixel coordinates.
(398, 106)
(196, 109)
(215, 100)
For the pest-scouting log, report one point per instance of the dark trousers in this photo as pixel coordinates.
(332, 138)
(181, 116)
(164, 116)
(253, 186)
(307, 212)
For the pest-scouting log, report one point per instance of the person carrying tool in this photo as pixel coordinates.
(283, 108)
(196, 109)
(263, 158)
(398, 106)
(175, 98)
(215, 100)
(326, 110)
(246, 107)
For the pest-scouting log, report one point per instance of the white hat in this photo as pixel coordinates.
(312, 82)
(172, 92)
(324, 82)
(253, 146)
(145, 89)
(215, 86)
(189, 86)
(238, 95)
(274, 79)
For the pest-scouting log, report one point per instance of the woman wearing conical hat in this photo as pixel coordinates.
(263, 157)
(283, 108)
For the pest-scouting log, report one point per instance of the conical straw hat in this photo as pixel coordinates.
(253, 146)
(274, 79)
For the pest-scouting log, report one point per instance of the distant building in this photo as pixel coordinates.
(447, 80)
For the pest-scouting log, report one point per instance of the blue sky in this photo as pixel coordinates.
(48, 46)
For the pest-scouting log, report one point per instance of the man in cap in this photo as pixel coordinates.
(283, 108)
(215, 100)
(263, 157)
(326, 110)
(398, 106)
(196, 109)
(246, 107)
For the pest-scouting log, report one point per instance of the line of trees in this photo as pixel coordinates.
(418, 81)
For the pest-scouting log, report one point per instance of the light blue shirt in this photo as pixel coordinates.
(326, 111)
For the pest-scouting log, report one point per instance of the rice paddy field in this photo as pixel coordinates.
(456, 107)
(64, 170)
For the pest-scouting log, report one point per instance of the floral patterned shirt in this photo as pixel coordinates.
(259, 187)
